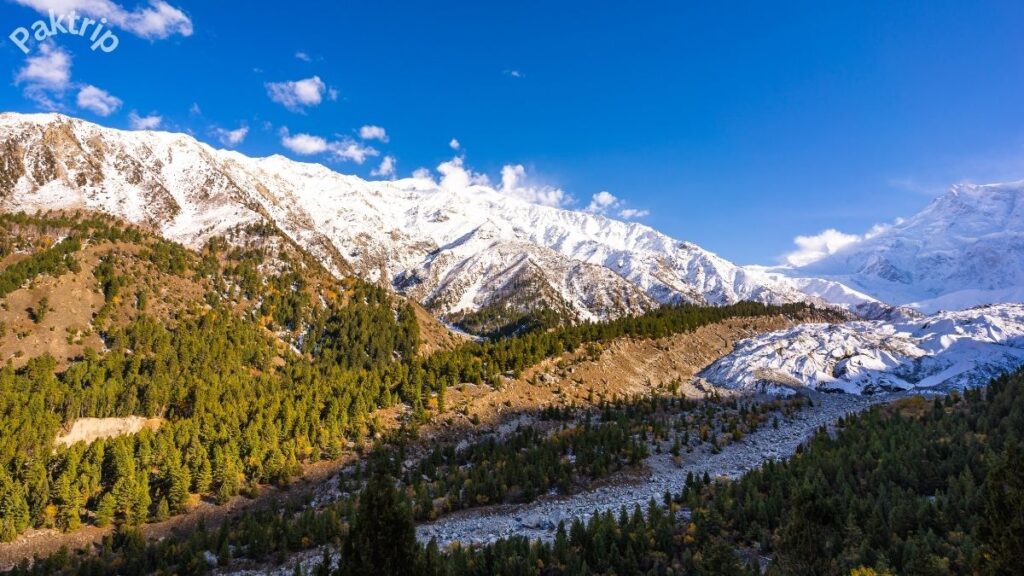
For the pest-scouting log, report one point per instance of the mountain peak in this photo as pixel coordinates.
(964, 249)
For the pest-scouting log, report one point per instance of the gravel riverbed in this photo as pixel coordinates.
(540, 519)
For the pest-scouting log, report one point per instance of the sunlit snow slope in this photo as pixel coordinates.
(942, 351)
(455, 250)
(966, 248)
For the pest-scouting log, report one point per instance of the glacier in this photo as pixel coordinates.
(940, 352)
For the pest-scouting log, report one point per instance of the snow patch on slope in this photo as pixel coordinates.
(942, 351)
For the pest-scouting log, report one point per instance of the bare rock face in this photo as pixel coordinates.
(89, 430)
(12, 167)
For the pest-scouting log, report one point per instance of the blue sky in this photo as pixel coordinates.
(736, 125)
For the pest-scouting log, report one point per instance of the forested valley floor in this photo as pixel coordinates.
(255, 367)
(259, 366)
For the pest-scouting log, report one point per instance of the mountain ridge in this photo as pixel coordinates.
(966, 248)
(453, 249)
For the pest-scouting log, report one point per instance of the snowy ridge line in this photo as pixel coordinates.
(453, 249)
(964, 249)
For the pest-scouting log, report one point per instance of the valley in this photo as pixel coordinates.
(474, 412)
(215, 363)
(660, 474)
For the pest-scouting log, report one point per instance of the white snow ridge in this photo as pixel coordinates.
(943, 351)
(966, 248)
(453, 249)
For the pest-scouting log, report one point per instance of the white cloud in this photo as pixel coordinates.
(51, 68)
(422, 173)
(158, 20)
(151, 122)
(516, 183)
(810, 249)
(345, 149)
(304, 144)
(98, 101)
(515, 74)
(349, 149)
(231, 138)
(46, 76)
(373, 133)
(604, 202)
(303, 56)
(633, 213)
(195, 110)
(601, 202)
(455, 176)
(813, 248)
(454, 144)
(300, 94)
(386, 168)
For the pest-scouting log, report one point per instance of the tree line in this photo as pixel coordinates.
(918, 488)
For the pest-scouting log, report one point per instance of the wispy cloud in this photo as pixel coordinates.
(304, 144)
(373, 133)
(231, 138)
(386, 168)
(915, 186)
(810, 249)
(517, 183)
(456, 176)
(604, 202)
(601, 202)
(98, 101)
(150, 122)
(298, 95)
(345, 149)
(46, 76)
(633, 213)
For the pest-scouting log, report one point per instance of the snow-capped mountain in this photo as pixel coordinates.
(455, 250)
(966, 248)
(942, 351)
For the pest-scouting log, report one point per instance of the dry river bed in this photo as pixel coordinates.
(540, 519)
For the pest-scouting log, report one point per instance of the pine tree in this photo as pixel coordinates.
(1003, 522)
(105, 510)
(163, 510)
(178, 493)
(14, 509)
(382, 541)
(141, 500)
